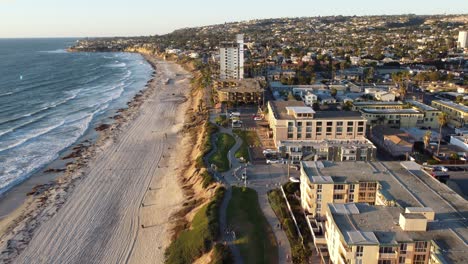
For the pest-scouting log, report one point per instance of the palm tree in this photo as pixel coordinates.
(442, 120)
(427, 138)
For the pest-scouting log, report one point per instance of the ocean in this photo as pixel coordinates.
(50, 98)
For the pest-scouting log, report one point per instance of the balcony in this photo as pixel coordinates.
(387, 255)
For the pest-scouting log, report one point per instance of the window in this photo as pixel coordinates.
(420, 246)
(299, 135)
(403, 248)
(401, 260)
(329, 123)
(319, 197)
(360, 123)
(338, 197)
(299, 124)
(339, 130)
(351, 188)
(290, 129)
(359, 251)
(351, 198)
(308, 135)
(318, 129)
(349, 129)
(338, 187)
(290, 135)
(386, 250)
(329, 129)
(350, 123)
(339, 123)
(319, 188)
(290, 124)
(419, 259)
(308, 129)
(319, 124)
(384, 261)
(308, 123)
(360, 129)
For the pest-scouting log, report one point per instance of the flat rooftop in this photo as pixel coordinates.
(345, 143)
(245, 85)
(377, 103)
(363, 224)
(353, 172)
(453, 105)
(422, 106)
(390, 111)
(280, 109)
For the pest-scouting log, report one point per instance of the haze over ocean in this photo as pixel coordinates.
(49, 98)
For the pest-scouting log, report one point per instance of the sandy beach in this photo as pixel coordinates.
(117, 208)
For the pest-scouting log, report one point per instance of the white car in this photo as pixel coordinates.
(294, 179)
(440, 168)
(268, 161)
(258, 118)
(268, 151)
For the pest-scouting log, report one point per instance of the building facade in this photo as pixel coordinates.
(245, 91)
(463, 39)
(231, 56)
(302, 133)
(457, 114)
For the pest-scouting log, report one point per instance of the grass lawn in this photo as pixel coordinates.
(255, 238)
(278, 204)
(249, 138)
(220, 158)
(199, 238)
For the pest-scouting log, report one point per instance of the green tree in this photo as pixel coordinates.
(442, 120)
(427, 139)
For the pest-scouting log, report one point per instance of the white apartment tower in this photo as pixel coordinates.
(463, 39)
(232, 59)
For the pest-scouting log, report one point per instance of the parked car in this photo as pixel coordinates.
(234, 114)
(268, 151)
(440, 168)
(269, 161)
(258, 118)
(294, 179)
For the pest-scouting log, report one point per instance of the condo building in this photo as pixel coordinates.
(399, 115)
(232, 59)
(304, 134)
(457, 113)
(463, 39)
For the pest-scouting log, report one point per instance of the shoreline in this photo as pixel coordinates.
(75, 154)
(51, 197)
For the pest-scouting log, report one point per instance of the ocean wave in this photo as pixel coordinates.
(35, 133)
(27, 161)
(118, 65)
(58, 51)
(5, 94)
(73, 95)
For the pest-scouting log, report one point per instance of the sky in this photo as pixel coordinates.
(95, 18)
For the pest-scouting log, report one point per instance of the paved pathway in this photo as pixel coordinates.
(229, 178)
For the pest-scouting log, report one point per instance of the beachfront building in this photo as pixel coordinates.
(246, 91)
(232, 59)
(362, 233)
(303, 134)
(357, 214)
(457, 113)
(319, 190)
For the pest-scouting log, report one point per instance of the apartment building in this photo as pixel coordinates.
(318, 190)
(302, 133)
(232, 59)
(245, 91)
(462, 39)
(399, 115)
(457, 113)
(362, 233)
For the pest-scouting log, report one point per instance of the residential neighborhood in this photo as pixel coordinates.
(352, 131)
